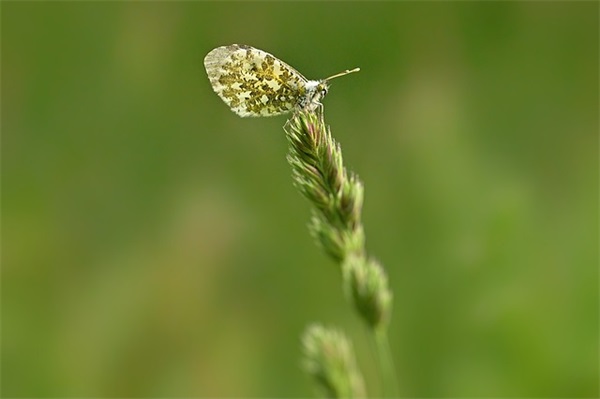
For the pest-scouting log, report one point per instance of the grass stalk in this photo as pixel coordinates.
(386, 364)
(336, 196)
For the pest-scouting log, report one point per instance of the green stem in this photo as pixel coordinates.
(386, 364)
(336, 196)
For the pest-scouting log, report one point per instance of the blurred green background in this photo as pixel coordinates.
(153, 243)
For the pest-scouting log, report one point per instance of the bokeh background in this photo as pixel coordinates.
(153, 244)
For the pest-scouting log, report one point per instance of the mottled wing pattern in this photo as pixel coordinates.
(252, 82)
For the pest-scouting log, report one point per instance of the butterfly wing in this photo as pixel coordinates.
(253, 82)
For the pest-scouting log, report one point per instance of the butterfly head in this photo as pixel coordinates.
(317, 89)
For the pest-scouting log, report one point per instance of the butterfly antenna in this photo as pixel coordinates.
(346, 72)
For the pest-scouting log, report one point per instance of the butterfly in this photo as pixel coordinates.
(253, 82)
